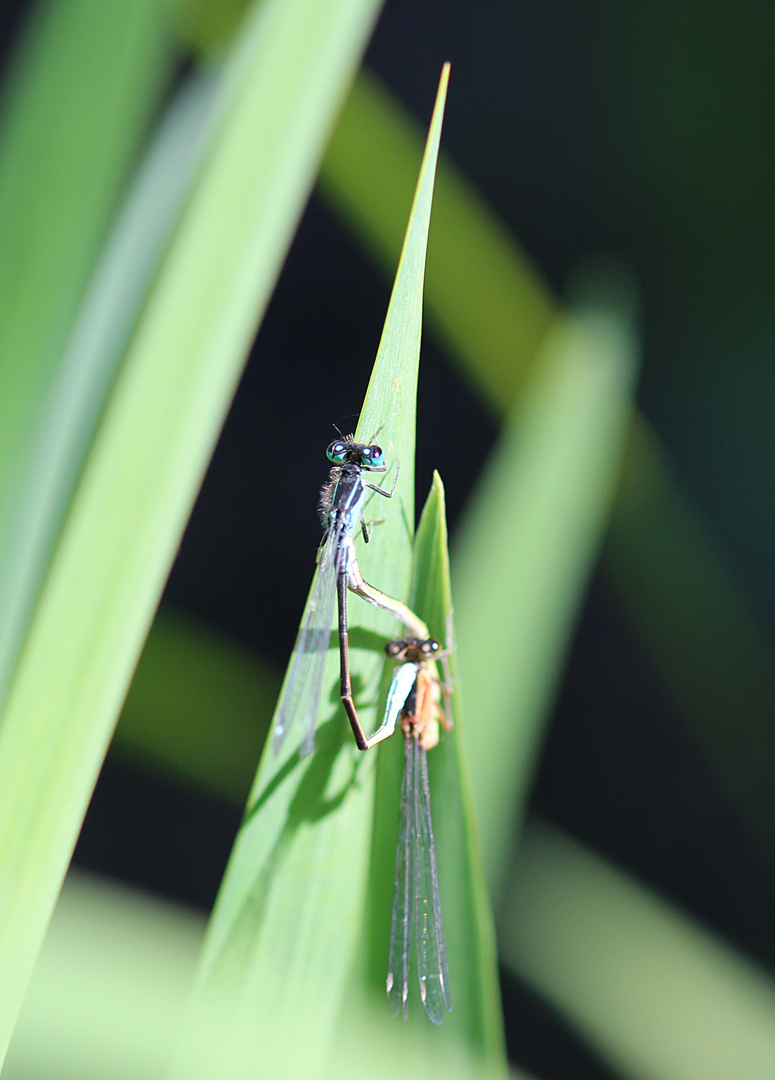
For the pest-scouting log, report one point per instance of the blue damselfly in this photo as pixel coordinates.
(342, 500)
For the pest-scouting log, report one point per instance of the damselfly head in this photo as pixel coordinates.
(348, 452)
(412, 648)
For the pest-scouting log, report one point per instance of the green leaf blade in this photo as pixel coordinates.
(470, 1042)
(284, 934)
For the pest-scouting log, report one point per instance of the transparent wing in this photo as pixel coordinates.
(431, 953)
(300, 698)
(403, 894)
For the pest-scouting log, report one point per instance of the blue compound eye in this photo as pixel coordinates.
(372, 456)
(337, 452)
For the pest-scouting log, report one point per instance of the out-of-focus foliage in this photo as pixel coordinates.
(131, 462)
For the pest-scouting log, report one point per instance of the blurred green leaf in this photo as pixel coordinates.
(208, 25)
(93, 354)
(198, 707)
(282, 940)
(661, 998)
(110, 987)
(525, 550)
(81, 92)
(276, 96)
(658, 996)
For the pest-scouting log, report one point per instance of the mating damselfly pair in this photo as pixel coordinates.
(414, 702)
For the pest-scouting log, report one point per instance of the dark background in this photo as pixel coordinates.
(645, 132)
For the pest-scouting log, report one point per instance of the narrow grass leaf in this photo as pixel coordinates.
(284, 78)
(470, 1041)
(76, 393)
(81, 91)
(282, 940)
